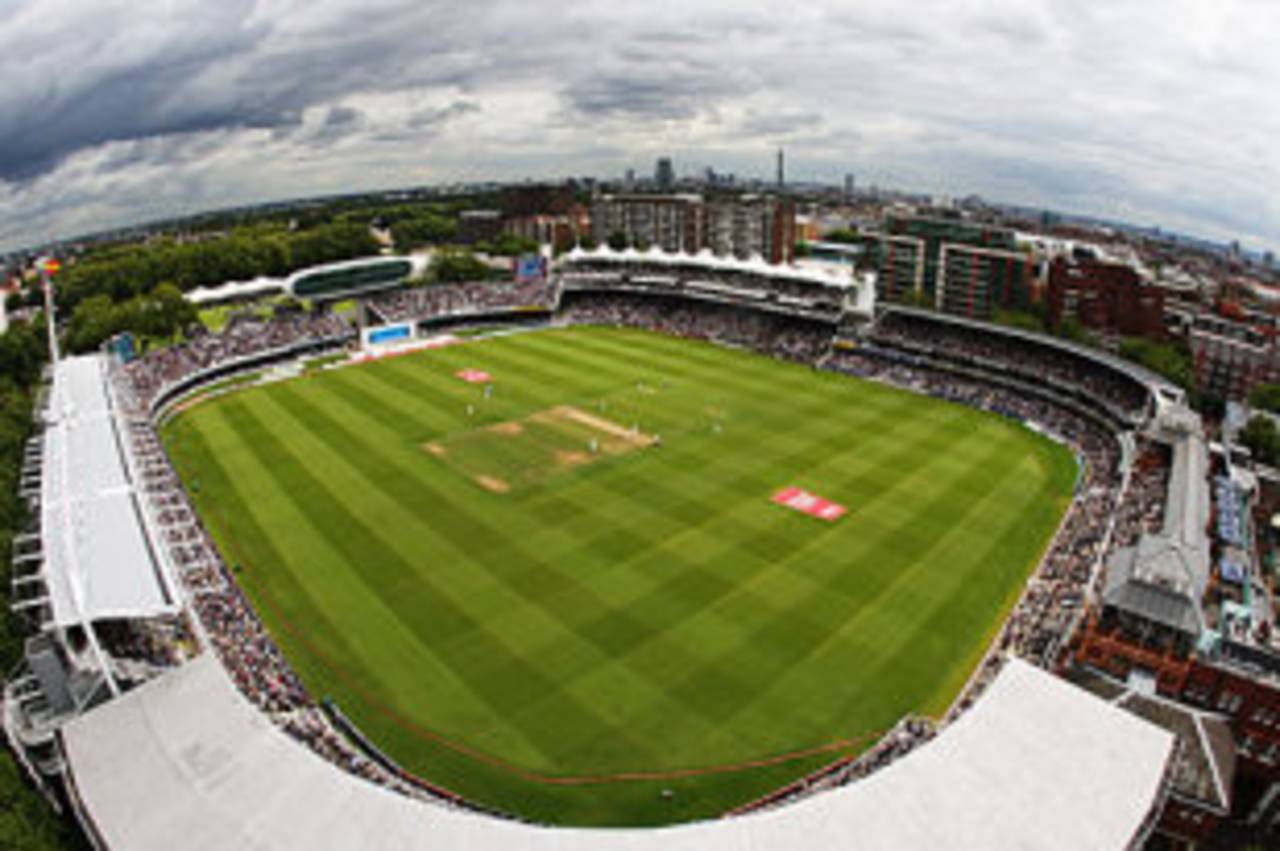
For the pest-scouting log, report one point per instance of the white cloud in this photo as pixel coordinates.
(113, 112)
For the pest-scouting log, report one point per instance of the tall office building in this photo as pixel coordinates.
(663, 174)
(848, 187)
(782, 171)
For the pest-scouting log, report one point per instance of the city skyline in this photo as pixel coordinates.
(1127, 111)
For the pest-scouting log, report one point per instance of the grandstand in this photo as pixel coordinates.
(148, 670)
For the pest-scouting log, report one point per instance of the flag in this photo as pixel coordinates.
(51, 266)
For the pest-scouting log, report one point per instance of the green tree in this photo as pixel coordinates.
(1166, 359)
(452, 265)
(92, 322)
(844, 235)
(1260, 436)
(177, 314)
(510, 245)
(26, 821)
(1266, 397)
(425, 229)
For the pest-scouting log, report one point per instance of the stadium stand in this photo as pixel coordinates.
(248, 343)
(471, 300)
(204, 736)
(809, 292)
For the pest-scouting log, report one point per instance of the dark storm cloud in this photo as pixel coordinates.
(204, 67)
(339, 122)
(435, 116)
(655, 86)
(780, 123)
(624, 95)
(113, 111)
(124, 90)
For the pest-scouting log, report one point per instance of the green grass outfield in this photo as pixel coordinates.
(648, 612)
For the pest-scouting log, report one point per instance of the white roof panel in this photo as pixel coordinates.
(98, 562)
(1036, 764)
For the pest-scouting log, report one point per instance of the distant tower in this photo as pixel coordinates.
(629, 180)
(782, 171)
(663, 174)
(848, 187)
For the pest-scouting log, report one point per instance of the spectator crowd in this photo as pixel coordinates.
(1065, 369)
(478, 297)
(781, 287)
(242, 337)
(773, 334)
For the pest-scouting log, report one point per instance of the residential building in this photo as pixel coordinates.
(1109, 297)
(961, 267)
(974, 281)
(671, 222)
(1232, 357)
(740, 226)
(535, 199)
(750, 225)
(478, 225)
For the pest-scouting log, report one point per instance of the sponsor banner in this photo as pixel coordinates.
(530, 267)
(807, 503)
(474, 376)
(384, 334)
(391, 351)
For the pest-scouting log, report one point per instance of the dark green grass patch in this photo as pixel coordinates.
(551, 650)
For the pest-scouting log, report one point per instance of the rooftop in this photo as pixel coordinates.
(1038, 764)
(99, 561)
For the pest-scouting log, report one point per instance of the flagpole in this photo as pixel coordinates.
(47, 280)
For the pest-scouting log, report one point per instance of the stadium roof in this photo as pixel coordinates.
(98, 558)
(828, 277)
(232, 290)
(1165, 576)
(1037, 764)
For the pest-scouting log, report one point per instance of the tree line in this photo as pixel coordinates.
(26, 820)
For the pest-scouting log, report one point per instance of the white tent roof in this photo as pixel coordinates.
(98, 559)
(260, 286)
(706, 260)
(1036, 764)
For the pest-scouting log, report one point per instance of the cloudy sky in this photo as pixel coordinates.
(1153, 111)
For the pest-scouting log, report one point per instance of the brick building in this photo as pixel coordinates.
(1232, 357)
(960, 267)
(1108, 297)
